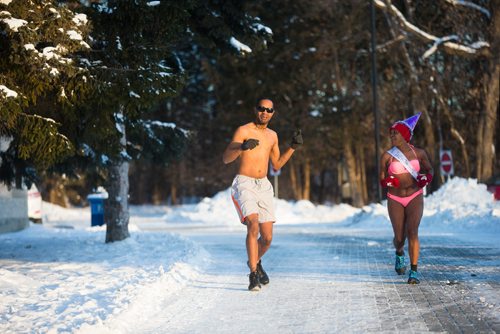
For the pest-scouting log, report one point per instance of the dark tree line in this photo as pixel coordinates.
(439, 58)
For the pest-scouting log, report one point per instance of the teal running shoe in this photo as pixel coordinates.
(412, 279)
(400, 265)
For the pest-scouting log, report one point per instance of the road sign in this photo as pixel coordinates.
(446, 160)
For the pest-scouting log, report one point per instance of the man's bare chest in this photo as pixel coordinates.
(265, 140)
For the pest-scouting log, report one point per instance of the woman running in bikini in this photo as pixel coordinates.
(405, 171)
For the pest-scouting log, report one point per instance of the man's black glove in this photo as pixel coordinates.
(249, 144)
(297, 139)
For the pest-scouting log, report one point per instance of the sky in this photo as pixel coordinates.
(60, 276)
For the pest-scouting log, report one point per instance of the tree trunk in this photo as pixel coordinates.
(55, 191)
(486, 135)
(173, 192)
(321, 192)
(456, 134)
(295, 181)
(361, 162)
(306, 189)
(156, 185)
(489, 118)
(140, 173)
(116, 209)
(353, 173)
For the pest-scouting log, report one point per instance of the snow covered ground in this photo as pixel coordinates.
(60, 277)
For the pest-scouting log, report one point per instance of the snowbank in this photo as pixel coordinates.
(462, 204)
(219, 210)
(55, 280)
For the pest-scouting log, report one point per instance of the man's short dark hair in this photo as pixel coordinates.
(257, 102)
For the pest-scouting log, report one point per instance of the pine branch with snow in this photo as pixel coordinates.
(39, 46)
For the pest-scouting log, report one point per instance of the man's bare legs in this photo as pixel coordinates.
(257, 246)
(252, 241)
(266, 237)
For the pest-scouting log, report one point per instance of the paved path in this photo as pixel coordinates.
(330, 279)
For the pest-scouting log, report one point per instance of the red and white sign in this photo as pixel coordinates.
(446, 160)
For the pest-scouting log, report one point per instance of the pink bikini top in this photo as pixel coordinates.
(396, 167)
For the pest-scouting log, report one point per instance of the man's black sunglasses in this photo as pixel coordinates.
(261, 109)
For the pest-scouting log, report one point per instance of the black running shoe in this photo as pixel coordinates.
(254, 281)
(263, 278)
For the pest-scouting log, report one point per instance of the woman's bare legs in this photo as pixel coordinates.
(413, 214)
(397, 216)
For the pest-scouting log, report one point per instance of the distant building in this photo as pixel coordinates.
(13, 203)
(13, 209)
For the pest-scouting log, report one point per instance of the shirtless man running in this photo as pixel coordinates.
(251, 191)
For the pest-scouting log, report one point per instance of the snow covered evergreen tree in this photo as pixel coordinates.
(39, 45)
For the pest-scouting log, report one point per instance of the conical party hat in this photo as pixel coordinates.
(410, 122)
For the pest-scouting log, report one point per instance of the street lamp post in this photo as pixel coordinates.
(375, 97)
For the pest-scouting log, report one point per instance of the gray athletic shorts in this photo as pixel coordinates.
(253, 196)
